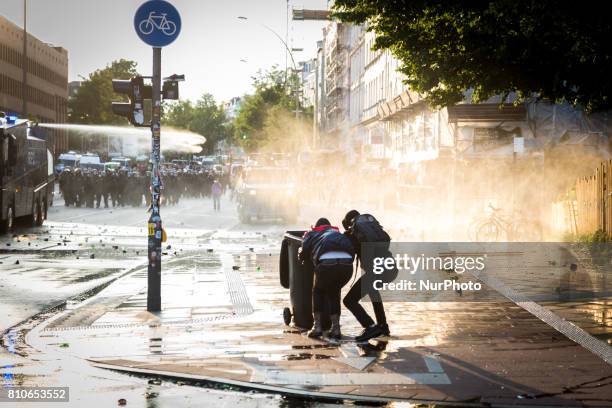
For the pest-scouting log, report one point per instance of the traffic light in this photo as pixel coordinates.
(170, 89)
(137, 92)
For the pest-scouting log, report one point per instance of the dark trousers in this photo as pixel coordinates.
(330, 275)
(364, 286)
(216, 202)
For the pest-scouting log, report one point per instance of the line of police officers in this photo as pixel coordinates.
(130, 187)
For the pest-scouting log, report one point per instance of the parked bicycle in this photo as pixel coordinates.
(499, 227)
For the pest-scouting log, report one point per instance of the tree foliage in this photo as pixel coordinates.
(204, 117)
(92, 104)
(263, 111)
(556, 50)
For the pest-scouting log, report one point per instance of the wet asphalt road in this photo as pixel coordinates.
(83, 248)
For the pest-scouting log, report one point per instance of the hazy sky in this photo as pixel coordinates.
(208, 51)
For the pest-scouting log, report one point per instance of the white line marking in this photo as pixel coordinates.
(334, 379)
(436, 375)
(570, 330)
(433, 365)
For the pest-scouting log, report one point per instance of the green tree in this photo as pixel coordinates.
(556, 50)
(92, 104)
(204, 117)
(261, 111)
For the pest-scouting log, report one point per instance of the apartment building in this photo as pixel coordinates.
(46, 91)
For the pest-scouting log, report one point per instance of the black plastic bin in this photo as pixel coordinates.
(298, 278)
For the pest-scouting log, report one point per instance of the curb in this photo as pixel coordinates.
(300, 393)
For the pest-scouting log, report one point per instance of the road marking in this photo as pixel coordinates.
(349, 350)
(433, 365)
(353, 358)
(570, 330)
(359, 363)
(338, 379)
(434, 376)
(270, 388)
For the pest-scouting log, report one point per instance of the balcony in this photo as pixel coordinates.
(335, 86)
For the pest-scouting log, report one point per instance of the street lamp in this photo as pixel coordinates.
(289, 50)
(277, 36)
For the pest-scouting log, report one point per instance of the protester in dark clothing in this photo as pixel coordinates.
(98, 187)
(66, 185)
(364, 286)
(107, 185)
(332, 256)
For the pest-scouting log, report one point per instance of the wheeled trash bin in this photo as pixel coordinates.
(298, 278)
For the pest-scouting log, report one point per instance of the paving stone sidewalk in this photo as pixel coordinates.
(221, 322)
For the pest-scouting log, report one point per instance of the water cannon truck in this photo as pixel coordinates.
(26, 173)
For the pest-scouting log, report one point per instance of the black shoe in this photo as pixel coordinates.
(385, 329)
(369, 333)
(315, 333)
(335, 334)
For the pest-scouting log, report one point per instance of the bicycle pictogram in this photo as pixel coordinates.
(157, 21)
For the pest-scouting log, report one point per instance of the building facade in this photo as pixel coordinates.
(231, 107)
(458, 161)
(308, 78)
(46, 91)
(336, 75)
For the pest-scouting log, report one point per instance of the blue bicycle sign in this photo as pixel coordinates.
(157, 23)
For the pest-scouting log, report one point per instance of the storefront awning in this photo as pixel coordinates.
(490, 112)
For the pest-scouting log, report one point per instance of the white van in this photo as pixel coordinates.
(123, 161)
(67, 160)
(91, 161)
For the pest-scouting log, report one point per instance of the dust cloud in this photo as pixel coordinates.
(451, 197)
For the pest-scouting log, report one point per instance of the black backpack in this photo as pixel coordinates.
(366, 228)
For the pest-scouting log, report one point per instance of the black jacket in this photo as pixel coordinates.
(325, 239)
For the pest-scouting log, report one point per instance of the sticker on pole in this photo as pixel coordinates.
(157, 23)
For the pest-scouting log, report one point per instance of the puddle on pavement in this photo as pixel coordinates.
(164, 393)
(593, 316)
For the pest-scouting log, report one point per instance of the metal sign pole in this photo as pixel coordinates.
(157, 23)
(155, 223)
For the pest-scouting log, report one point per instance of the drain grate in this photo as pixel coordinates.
(178, 322)
(237, 291)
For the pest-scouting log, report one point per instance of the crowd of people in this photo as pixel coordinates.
(131, 187)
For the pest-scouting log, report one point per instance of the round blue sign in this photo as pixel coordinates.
(157, 23)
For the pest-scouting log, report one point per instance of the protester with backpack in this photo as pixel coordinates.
(332, 255)
(364, 229)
